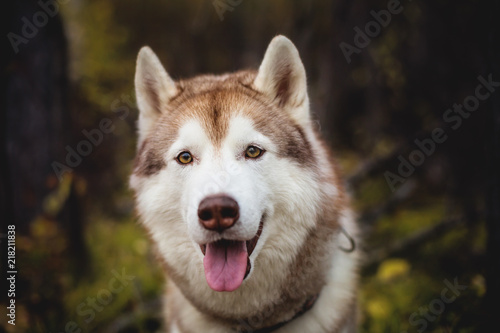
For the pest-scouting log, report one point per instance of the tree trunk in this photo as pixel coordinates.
(34, 129)
(35, 114)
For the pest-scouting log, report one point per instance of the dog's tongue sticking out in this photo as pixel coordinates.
(225, 264)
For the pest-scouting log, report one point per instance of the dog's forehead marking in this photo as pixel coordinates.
(242, 130)
(210, 111)
(191, 134)
(227, 115)
(215, 109)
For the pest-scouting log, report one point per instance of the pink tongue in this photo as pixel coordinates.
(225, 264)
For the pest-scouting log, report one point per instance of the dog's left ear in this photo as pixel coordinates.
(153, 89)
(282, 77)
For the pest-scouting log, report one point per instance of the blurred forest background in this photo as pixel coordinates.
(73, 68)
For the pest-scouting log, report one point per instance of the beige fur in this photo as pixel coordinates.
(294, 189)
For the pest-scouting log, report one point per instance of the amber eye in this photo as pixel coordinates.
(253, 152)
(185, 157)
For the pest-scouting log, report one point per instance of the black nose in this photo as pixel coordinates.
(218, 212)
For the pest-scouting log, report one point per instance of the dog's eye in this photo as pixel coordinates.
(253, 152)
(185, 157)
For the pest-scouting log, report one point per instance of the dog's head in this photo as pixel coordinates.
(225, 166)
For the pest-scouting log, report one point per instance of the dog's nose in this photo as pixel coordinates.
(218, 212)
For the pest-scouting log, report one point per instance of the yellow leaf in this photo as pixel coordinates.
(392, 268)
(378, 308)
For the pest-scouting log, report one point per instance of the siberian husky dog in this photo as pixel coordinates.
(243, 200)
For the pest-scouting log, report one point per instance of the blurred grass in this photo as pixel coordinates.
(120, 246)
(398, 288)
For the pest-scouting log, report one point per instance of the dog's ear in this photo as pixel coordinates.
(282, 77)
(153, 89)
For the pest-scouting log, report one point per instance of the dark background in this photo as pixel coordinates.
(74, 67)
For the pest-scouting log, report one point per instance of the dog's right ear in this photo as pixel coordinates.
(282, 77)
(153, 89)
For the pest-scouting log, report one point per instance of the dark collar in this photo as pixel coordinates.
(306, 307)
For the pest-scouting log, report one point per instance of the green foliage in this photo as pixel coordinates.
(116, 248)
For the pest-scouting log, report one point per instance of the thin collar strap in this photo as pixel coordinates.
(306, 307)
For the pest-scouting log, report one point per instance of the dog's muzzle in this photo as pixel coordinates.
(226, 262)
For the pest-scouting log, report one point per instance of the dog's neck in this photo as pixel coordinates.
(306, 307)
